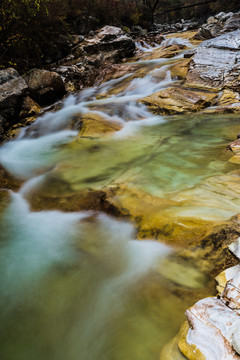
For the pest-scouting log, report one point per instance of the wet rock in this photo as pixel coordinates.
(167, 51)
(180, 69)
(234, 146)
(177, 100)
(92, 125)
(29, 108)
(13, 88)
(8, 182)
(228, 102)
(171, 351)
(45, 86)
(4, 200)
(215, 63)
(96, 200)
(210, 335)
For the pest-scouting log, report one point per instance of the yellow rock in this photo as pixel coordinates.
(228, 103)
(94, 125)
(176, 100)
(180, 69)
(171, 350)
(185, 35)
(235, 159)
(165, 52)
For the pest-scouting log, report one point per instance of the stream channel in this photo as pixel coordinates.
(87, 285)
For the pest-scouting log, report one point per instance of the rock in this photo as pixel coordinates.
(7, 181)
(45, 86)
(180, 69)
(167, 51)
(108, 33)
(215, 63)
(235, 248)
(219, 24)
(114, 49)
(235, 340)
(235, 147)
(228, 102)
(29, 108)
(2, 122)
(13, 88)
(92, 125)
(210, 335)
(232, 23)
(177, 100)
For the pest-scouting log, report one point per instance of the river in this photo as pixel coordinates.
(87, 285)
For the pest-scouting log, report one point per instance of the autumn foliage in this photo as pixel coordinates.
(31, 29)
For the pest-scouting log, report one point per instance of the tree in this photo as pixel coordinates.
(151, 7)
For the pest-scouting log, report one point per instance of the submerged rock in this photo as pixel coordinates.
(92, 125)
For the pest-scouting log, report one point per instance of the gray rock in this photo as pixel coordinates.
(219, 24)
(45, 86)
(216, 63)
(13, 88)
(109, 33)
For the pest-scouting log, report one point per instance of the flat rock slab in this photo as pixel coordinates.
(177, 100)
(216, 63)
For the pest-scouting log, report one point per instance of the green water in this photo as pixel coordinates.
(79, 286)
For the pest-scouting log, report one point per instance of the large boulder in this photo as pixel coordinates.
(216, 63)
(45, 86)
(13, 88)
(111, 42)
(108, 33)
(177, 100)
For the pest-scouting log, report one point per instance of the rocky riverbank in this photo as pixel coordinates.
(203, 77)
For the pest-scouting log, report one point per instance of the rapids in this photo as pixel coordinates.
(78, 285)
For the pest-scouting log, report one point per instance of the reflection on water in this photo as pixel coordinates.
(78, 285)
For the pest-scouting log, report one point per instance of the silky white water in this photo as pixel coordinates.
(78, 285)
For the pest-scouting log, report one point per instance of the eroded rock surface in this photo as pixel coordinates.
(216, 62)
(177, 100)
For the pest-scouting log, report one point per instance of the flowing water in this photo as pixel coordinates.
(78, 285)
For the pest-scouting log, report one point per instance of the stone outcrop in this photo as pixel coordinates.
(177, 100)
(106, 46)
(210, 81)
(216, 62)
(13, 88)
(93, 125)
(214, 323)
(45, 86)
(219, 24)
